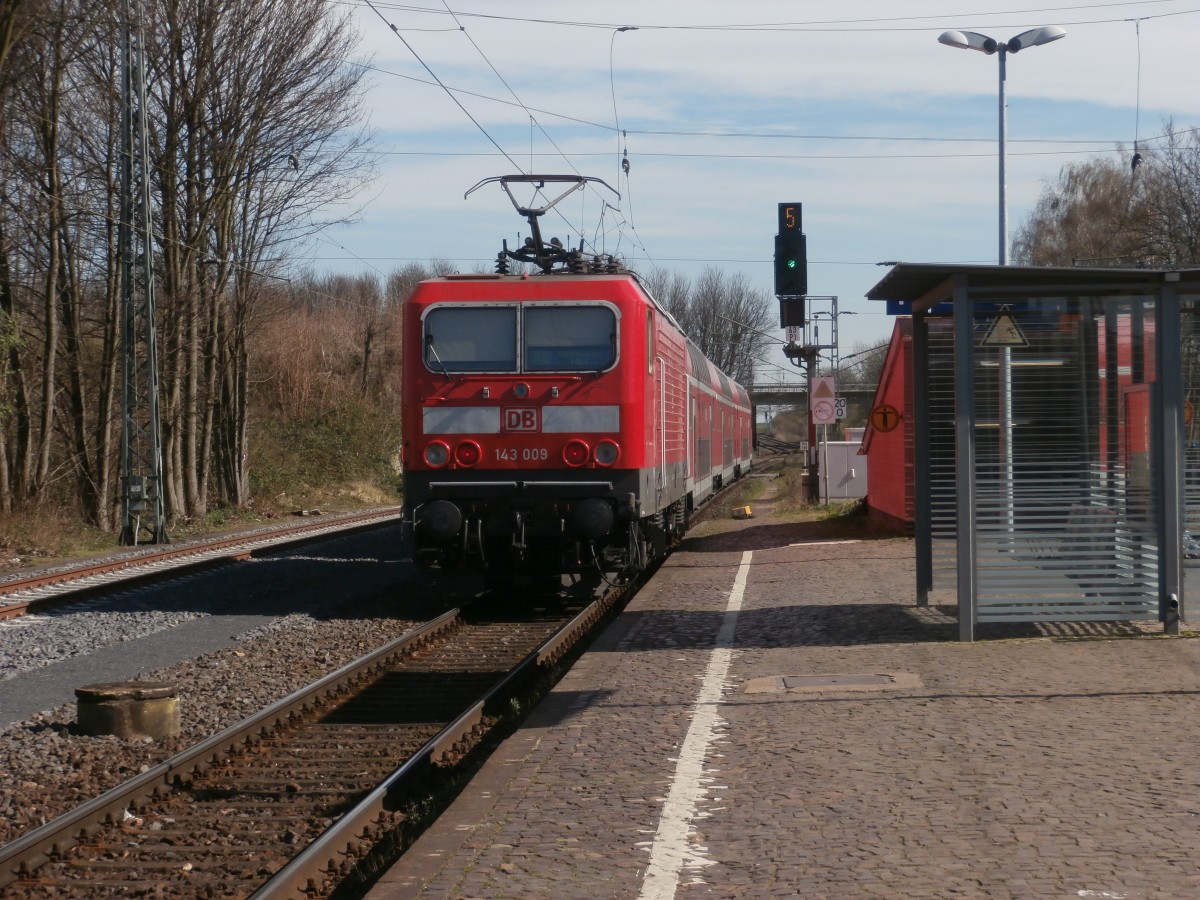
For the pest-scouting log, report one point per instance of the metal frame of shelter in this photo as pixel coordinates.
(1058, 475)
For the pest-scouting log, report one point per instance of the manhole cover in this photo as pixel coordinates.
(801, 681)
(845, 681)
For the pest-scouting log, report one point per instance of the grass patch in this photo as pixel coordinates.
(783, 499)
(344, 455)
(790, 491)
(38, 535)
(335, 460)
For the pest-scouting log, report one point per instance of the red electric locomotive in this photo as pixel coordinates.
(558, 422)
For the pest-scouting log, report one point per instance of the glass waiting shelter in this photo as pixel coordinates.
(1056, 438)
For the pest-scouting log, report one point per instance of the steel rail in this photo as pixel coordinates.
(19, 857)
(302, 876)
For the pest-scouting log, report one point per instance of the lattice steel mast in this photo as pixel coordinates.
(143, 518)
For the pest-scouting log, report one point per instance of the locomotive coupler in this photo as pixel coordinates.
(478, 536)
(518, 540)
(408, 539)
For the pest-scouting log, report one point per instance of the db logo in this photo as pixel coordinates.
(521, 420)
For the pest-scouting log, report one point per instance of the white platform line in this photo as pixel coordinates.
(672, 849)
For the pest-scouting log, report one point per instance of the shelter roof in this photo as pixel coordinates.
(927, 284)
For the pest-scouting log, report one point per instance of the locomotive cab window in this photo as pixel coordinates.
(570, 338)
(471, 339)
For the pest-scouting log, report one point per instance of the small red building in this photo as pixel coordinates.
(888, 442)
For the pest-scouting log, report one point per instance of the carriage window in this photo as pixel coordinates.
(471, 339)
(570, 338)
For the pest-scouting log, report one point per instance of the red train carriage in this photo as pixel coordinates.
(557, 422)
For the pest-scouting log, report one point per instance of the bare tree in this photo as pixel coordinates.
(40, 240)
(723, 315)
(1086, 215)
(13, 20)
(1108, 211)
(672, 289)
(1170, 222)
(403, 281)
(255, 134)
(257, 137)
(863, 365)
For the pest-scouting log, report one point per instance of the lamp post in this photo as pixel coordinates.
(973, 40)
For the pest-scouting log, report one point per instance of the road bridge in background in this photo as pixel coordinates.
(796, 394)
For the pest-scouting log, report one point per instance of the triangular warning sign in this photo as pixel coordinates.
(823, 388)
(1004, 332)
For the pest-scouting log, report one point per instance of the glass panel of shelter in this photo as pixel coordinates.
(1065, 483)
(1190, 352)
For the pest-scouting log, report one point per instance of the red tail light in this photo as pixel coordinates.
(468, 453)
(576, 453)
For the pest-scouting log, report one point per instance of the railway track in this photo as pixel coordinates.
(24, 594)
(309, 793)
(316, 792)
(772, 445)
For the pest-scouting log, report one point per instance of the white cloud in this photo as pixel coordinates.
(695, 197)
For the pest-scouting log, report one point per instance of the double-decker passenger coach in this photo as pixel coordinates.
(559, 421)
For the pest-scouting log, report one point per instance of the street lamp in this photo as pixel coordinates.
(973, 40)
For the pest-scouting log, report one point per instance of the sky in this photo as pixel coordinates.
(888, 139)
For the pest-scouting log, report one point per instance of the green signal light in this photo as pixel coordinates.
(791, 264)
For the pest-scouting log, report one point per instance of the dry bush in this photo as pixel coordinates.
(327, 400)
(315, 359)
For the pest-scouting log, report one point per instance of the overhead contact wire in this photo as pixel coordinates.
(449, 93)
(533, 123)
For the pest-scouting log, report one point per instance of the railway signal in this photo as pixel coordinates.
(791, 258)
(791, 316)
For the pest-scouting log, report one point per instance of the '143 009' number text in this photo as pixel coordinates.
(525, 454)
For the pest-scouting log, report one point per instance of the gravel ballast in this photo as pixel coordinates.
(320, 611)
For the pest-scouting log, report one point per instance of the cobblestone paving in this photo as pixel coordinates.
(1033, 763)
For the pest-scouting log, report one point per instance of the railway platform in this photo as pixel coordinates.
(774, 717)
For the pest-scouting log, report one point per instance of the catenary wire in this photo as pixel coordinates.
(875, 24)
(370, 4)
(532, 119)
(449, 92)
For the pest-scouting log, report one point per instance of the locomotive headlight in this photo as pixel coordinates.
(437, 454)
(607, 453)
(521, 390)
(576, 453)
(468, 453)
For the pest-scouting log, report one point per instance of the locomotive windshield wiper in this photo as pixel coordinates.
(437, 359)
